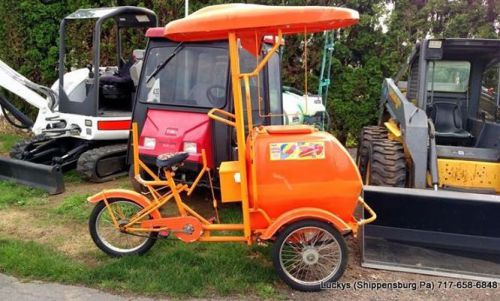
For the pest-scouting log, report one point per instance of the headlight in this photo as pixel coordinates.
(149, 143)
(190, 147)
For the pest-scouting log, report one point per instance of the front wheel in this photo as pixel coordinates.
(109, 238)
(309, 253)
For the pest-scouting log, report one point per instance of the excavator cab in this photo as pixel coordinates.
(108, 89)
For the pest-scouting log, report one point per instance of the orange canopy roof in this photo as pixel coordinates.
(250, 21)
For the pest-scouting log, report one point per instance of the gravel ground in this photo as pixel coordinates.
(414, 286)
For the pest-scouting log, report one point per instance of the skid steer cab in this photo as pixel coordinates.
(84, 118)
(181, 82)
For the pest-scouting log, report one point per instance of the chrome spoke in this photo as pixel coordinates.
(112, 237)
(310, 255)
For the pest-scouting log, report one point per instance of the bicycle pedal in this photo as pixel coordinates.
(164, 233)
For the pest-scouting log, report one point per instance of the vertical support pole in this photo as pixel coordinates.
(175, 193)
(118, 46)
(96, 49)
(240, 131)
(62, 54)
(135, 148)
(498, 95)
(248, 101)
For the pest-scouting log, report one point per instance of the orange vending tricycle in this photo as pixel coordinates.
(298, 187)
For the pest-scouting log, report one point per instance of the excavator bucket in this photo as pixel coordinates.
(46, 177)
(445, 233)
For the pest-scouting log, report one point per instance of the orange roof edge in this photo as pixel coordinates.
(250, 21)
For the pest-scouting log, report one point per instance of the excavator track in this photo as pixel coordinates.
(103, 164)
(17, 151)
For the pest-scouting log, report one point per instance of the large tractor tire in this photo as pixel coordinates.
(367, 136)
(386, 164)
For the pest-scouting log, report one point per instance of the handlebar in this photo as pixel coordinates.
(212, 114)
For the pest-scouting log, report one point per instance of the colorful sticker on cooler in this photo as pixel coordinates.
(297, 151)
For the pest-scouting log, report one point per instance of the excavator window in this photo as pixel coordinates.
(489, 106)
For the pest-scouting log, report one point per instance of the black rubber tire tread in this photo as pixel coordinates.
(301, 224)
(388, 163)
(17, 150)
(367, 135)
(86, 165)
(95, 237)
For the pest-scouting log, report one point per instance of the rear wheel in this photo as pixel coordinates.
(308, 253)
(109, 238)
(386, 164)
(368, 134)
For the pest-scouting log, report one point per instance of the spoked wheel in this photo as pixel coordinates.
(308, 253)
(109, 238)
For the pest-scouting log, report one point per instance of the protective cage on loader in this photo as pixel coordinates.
(438, 145)
(84, 118)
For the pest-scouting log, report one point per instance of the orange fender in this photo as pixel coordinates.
(305, 213)
(123, 194)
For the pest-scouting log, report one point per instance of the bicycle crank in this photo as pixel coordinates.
(185, 228)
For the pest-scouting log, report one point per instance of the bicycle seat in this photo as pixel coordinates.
(170, 159)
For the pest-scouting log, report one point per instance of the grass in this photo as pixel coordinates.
(171, 267)
(73, 208)
(231, 213)
(13, 194)
(32, 260)
(72, 176)
(7, 141)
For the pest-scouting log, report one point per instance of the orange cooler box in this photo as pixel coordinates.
(299, 167)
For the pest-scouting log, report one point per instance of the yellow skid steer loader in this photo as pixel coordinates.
(435, 157)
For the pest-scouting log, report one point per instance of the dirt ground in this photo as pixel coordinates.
(357, 275)
(6, 128)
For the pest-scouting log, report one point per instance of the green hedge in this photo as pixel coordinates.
(363, 56)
